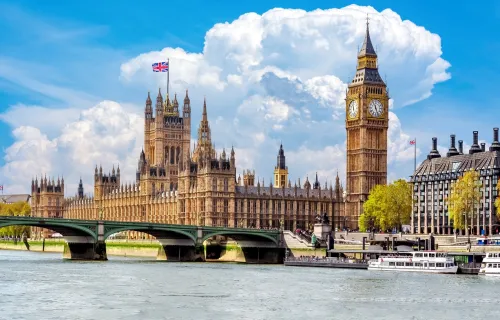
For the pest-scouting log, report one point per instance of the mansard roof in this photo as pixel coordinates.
(455, 165)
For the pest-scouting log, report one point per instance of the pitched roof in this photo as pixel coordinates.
(11, 198)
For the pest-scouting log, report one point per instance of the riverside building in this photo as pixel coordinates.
(434, 177)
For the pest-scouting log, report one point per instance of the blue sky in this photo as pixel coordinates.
(60, 61)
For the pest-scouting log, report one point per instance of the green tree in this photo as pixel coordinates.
(387, 207)
(497, 201)
(464, 197)
(20, 208)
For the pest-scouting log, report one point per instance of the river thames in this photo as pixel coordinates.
(43, 286)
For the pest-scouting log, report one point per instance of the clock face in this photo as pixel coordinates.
(353, 109)
(376, 108)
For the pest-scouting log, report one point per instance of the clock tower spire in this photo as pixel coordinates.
(367, 121)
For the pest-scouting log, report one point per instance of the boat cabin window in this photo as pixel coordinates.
(425, 255)
(440, 265)
(417, 264)
(408, 264)
(432, 265)
(391, 264)
(418, 255)
(432, 255)
(400, 264)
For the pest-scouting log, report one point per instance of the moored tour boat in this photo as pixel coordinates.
(490, 265)
(418, 261)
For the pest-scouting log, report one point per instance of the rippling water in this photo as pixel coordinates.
(43, 286)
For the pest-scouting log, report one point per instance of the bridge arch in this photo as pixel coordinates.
(67, 229)
(157, 232)
(243, 234)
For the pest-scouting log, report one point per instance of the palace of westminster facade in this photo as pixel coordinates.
(177, 185)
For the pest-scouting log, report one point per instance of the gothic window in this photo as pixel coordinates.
(226, 206)
(172, 155)
(214, 206)
(166, 153)
(214, 184)
(225, 185)
(178, 154)
(57, 202)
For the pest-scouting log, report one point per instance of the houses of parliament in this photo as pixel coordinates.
(177, 185)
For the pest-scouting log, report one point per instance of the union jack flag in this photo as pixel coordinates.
(160, 67)
(412, 142)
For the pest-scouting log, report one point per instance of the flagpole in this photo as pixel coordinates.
(415, 156)
(168, 77)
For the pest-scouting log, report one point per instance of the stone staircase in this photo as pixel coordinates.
(293, 241)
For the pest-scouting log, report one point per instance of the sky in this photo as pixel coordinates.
(74, 77)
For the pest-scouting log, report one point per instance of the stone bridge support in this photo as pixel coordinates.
(180, 250)
(86, 247)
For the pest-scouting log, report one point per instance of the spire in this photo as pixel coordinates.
(204, 116)
(159, 97)
(186, 98)
(148, 99)
(316, 182)
(367, 47)
(281, 161)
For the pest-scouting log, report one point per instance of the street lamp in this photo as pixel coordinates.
(344, 197)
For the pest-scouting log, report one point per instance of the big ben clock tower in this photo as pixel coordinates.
(367, 121)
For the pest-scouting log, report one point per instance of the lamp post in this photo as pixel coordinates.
(344, 197)
(100, 212)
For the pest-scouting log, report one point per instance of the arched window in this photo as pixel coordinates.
(214, 184)
(166, 153)
(225, 185)
(177, 155)
(172, 155)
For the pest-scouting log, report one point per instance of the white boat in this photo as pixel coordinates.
(490, 265)
(418, 261)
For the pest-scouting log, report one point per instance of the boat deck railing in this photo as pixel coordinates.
(325, 260)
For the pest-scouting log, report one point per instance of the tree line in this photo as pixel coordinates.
(20, 208)
(390, 206)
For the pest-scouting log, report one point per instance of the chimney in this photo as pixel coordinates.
(495, 145)
(483, 147)
(453, 150)
(475, 145)
(461, 146)
(434, 152)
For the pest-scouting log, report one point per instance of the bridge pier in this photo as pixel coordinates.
(85, 251)
(263, 255)
(180, 253)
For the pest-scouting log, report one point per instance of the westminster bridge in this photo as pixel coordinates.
(85, 239)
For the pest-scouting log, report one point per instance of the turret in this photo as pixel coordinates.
(475, 148)
(186, 110)
(176, 105)
(233, 158)
(80, 189)
(316, 182)
(434, 152)
(148, 111)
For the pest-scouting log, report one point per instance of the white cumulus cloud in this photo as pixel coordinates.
(276, 77)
